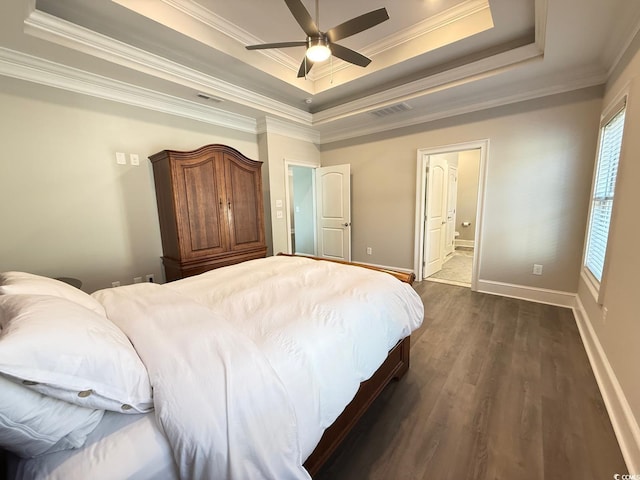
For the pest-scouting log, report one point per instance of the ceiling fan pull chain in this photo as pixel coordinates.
(331, 60)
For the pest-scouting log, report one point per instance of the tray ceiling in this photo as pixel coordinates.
(433, 56)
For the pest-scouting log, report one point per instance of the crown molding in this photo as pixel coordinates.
(33, 69)
(56, 30)
(275, 125)
(427, 26)
(291, 121)
(430, 84)
(82, 39)
(26, 67)
(541, 11)
(574, 80)
(30, 6)
(212, 20)
(616, 52)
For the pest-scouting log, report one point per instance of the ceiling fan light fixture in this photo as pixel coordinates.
(318, 50)
(322, 45)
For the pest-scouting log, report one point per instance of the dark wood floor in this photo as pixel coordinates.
(498, 389)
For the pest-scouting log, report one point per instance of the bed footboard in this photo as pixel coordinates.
(407, 277)
(395, 366)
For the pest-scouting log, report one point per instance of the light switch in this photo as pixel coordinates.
(121, 158)
(279, 214)
(278, 203)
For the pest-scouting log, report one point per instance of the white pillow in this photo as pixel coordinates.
(32, 424)
(21, 282)
(64, 350)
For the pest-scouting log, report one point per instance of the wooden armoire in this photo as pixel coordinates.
(210, 209)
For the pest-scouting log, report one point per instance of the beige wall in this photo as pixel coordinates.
(620, 334)
(467, 198)
(263, 156)
(278, 148)
(539, 170)
(67, 208)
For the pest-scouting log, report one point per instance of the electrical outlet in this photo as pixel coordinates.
(369, 251)
(115, 284)
(134, 159)
(137, 279)
(150, 278)
(537, 269)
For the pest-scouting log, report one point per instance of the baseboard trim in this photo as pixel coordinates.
(622, 419)
(533, 294)
(464, 243)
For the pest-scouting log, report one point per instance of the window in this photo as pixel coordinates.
(603, 192)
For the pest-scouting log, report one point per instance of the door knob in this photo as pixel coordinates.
(346, 224)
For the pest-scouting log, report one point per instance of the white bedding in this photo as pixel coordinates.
(250, 363)
(220, 403)
(130, 447)
(325, 327)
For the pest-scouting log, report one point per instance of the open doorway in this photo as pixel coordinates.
(450, 188)
(301, 209)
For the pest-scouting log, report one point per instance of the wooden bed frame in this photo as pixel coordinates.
(394, 367)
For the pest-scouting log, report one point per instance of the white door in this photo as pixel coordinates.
(452, 198)
(436, 216)
(333, 187)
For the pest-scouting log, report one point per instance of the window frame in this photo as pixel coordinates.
(595, 286)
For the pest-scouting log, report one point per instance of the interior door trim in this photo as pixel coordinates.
(422, 159)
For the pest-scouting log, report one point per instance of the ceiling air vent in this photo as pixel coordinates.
(210, 98)
(390, 110)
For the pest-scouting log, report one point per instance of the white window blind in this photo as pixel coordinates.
(603, 192)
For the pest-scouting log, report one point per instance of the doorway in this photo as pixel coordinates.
(301, 210)
(318, 210)
(449, 205)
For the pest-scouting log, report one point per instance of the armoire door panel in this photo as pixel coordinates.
(244, 189)
(204, 209)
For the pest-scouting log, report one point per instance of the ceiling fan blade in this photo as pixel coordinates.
(303, 17)
(349, 55)
(357, 24)
(305, 66)
(276, 45)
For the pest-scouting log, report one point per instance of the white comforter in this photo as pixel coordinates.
(250, 363)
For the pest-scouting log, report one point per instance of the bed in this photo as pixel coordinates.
(256, 370)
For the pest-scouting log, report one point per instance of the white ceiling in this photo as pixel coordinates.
(436, 58)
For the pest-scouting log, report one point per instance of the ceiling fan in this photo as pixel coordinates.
(321, 45)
